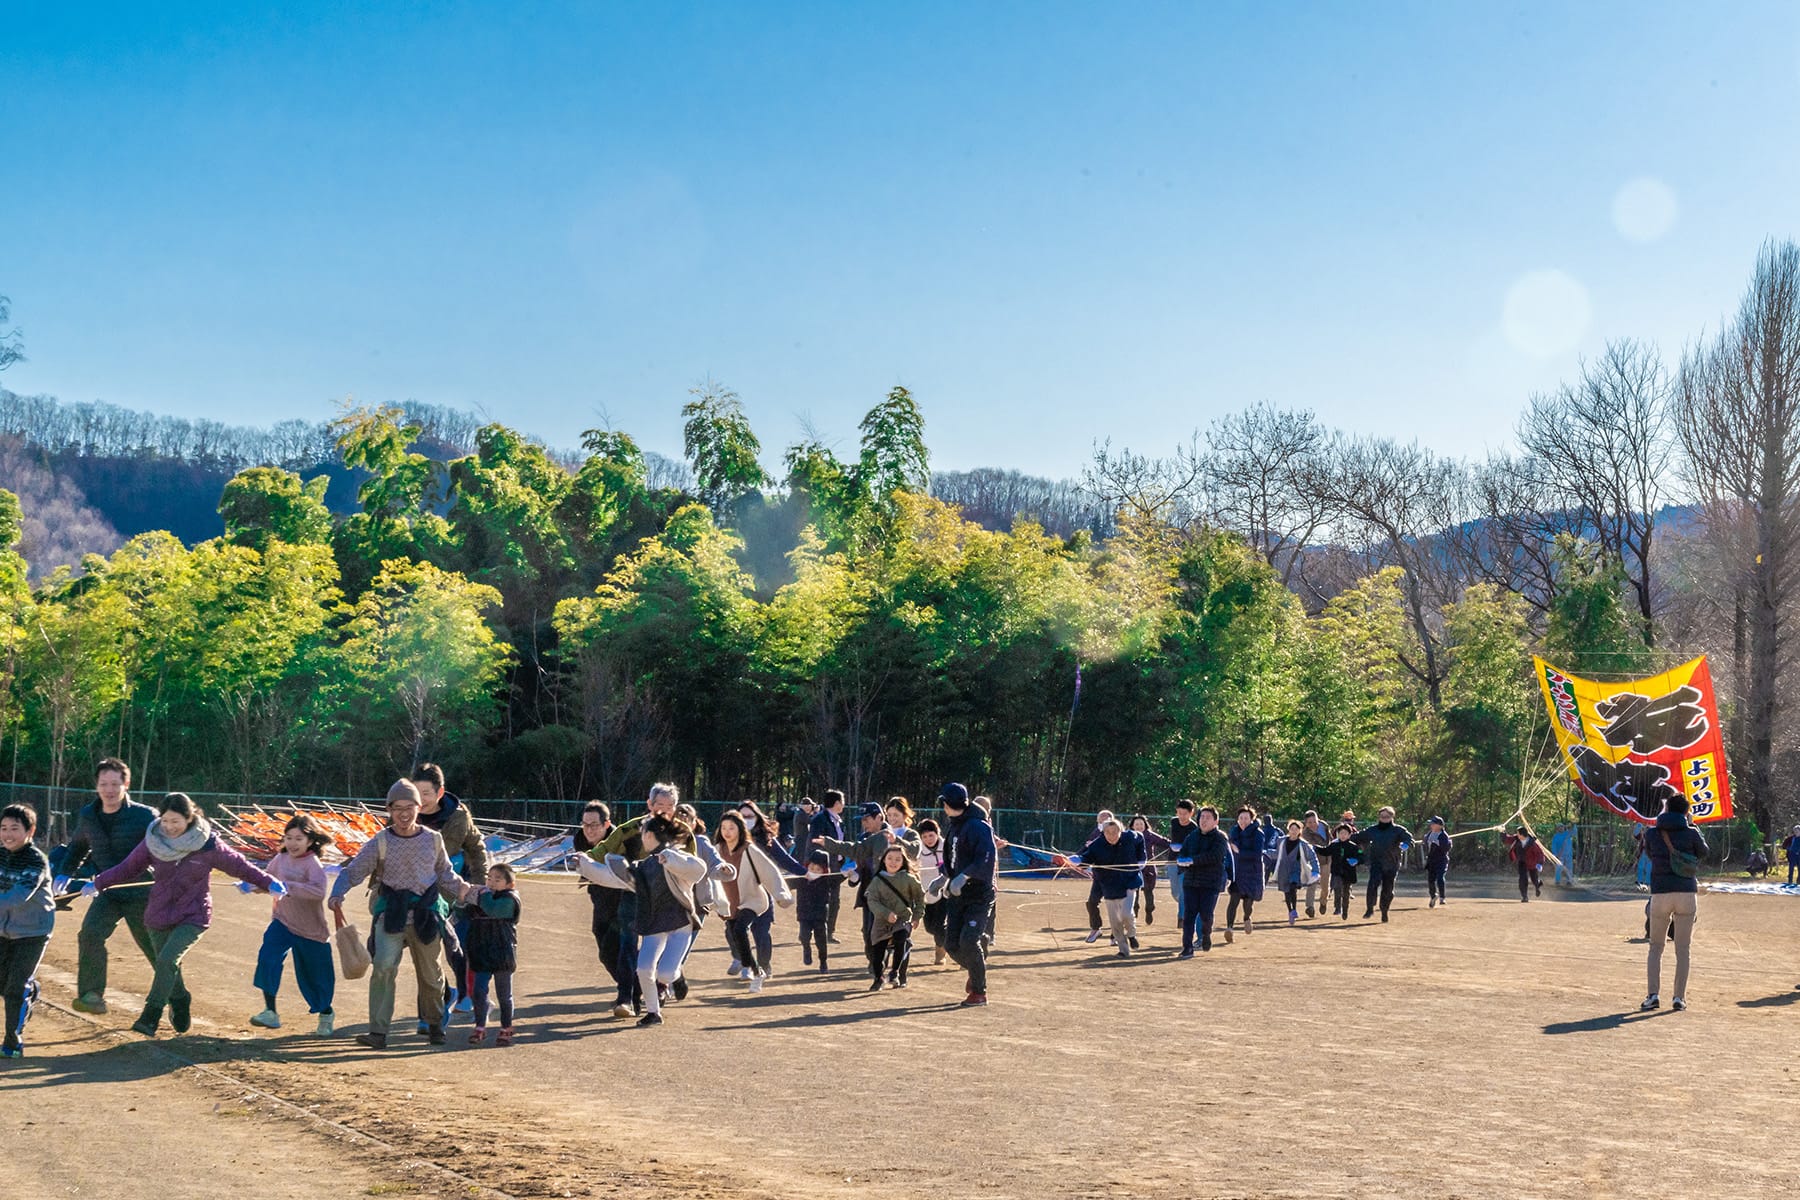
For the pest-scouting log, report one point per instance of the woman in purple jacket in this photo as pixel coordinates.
(184, 852)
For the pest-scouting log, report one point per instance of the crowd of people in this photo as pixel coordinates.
(656, 880)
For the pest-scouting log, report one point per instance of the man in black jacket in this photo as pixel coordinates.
(1673, 846)
(107, 831)
(968, 884)
(1383, 843)
(829, 822)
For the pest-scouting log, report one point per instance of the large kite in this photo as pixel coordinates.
(1632, 745)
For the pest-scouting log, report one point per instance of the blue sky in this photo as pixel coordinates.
(1054, 223)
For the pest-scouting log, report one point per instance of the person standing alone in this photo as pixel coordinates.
(1674, 847)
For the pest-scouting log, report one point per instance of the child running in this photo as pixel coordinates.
(298, 927)
(1437, 860)
(1296, 867)
(812, 906)
(27, 912)
(1527, 855)
(1247, 870)
(1343, 855)
(896, 903)
(493, 952)
(931, 865)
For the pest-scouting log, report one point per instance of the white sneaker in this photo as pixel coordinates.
(755, 984)
(1650, 1003)
(327, 1026)
(1679, 1004)
(267, 1018)
(1093, 937)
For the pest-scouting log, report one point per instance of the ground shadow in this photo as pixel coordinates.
(1778, 1000)
(842, 1017)
(1596, 1024)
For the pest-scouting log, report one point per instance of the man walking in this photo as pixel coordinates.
(107, 830)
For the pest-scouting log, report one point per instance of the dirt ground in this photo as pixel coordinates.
(1488, 1048)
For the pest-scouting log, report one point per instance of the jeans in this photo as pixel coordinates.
(737, 937)
(387, 950)
(312, 966)
(1434, 880)
(762, 933)
(1380, 881)
(1198, 906)
(1681, 909)
(659, 961)
(104, 913)
(966, 929)
(172, 945)
(1176, 890)
(1119, 916)
(502, 991)
(19, 958)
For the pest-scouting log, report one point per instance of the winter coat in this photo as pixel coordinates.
(493, 939)
(1437, 850)
(106, 838)
(972, 851)
(663, 882)
(826, 824)
(1296, 862)
(26, 908)
(606, 900)
(897, 894)
(1343, 857)
(758, 884)
(181, 892)
(1156, 846)
(1528, 852)
(1110, 861)
(1383, 844)
(1682, 836)
(1205, 859)
(454, 823)
(812, 896)
(1792, 847)
(1247, 845)
(931, 865)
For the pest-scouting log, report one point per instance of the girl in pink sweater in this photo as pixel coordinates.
(299, 926)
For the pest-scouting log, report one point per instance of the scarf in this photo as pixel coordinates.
(163, 848)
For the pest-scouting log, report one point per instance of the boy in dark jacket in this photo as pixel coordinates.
(813, 904)
(1437, 860)
(1344, 854)
(968, 880)
(1204, 855)
(27, 913)
(106, 832)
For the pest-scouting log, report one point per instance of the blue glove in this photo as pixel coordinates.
(278, 888)
(1184, 863)
(89, 890)
(60, 884)
(246, 887)
(1074, 858)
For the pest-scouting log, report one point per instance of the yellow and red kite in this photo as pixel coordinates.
(1631, 745)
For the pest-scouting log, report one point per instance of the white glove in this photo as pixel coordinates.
(934, 890)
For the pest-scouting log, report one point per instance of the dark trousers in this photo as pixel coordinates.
(616, 942)
(1197, 908)
(1231, 907)
(1528, 876)
(934, 923)
(104, 913)
(831, 913)
(1340, 895)
(312, 967)
(762, 935)
(1434, 880)
(1381, 885)
(1291, 893)
(1147, 894)
(966, 931)
(812, 934)
(893, 955)
(1093, 904)
(19, 958)
(737, 936)
(502, 992)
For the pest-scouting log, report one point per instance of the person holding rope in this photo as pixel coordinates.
(443, 812)
(1094, 895)
(615, 938)
(1675, 847)
(1343, 854)
(107, 830)
(1528, 855)
(1246, 869)
(1117, 859)
(1178, 831)
(298, 927)
(828, 822)
(27, 914)
(969, 886)
(1383, 844)
(754, 887)
(1204, 855)
(763, 837)
(1155, 844)
(665, 880)
(408, 868)
(931, 865)
(1437, 860)
(896, 904)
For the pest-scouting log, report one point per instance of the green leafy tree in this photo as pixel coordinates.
(1590, 630)
(265, 504)
(398, 498)
(717, 440)
(894, 457)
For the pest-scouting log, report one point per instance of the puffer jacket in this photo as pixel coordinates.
(1682, 836)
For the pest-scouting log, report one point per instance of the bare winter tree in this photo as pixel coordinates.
(1168, 491)
(1598, 453)
(1398, 502)
(1739, 420)
(1258, 474)
(11, 347)
(1510, 538)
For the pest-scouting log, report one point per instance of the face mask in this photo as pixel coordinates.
(750, 821)
(815, 873)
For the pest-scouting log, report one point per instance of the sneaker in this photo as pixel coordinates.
(679, 988)
(1433, 903)
(1650, 1004)
(181, 1013)
(937, 959)
(806, 957)
(1293, 918)
(899, 983)
(435, 1035)
(12, 1052)
(1188, 953)
(831, 939)
(1367, 913)
(1228, 935)
(464, 1004)
(504, 1037)
(374, 1041)
(1247, 927)
(621, 1011)
(735, 969)
(1206, 944)
(92, 1002)
(975, 1000)
(1678, 1004)
(823, 969)
(662, 993)
(1133, 941)
(146, 1024)
(268, 1018)
(477, 1035)
(755, 984)
(1309, 914)
(1124, 953)
(649, 1019)
(1384, 916)
(327, 1025)
(1093, 936)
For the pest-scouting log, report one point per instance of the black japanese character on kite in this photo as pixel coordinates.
(1672, 722)
(1628, 787)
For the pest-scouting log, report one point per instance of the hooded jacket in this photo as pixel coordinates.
(26, 908)
(1247, 875)
(456, 826)
(972, 852)
(895, 893)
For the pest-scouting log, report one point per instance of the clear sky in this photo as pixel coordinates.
(1054, 223)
